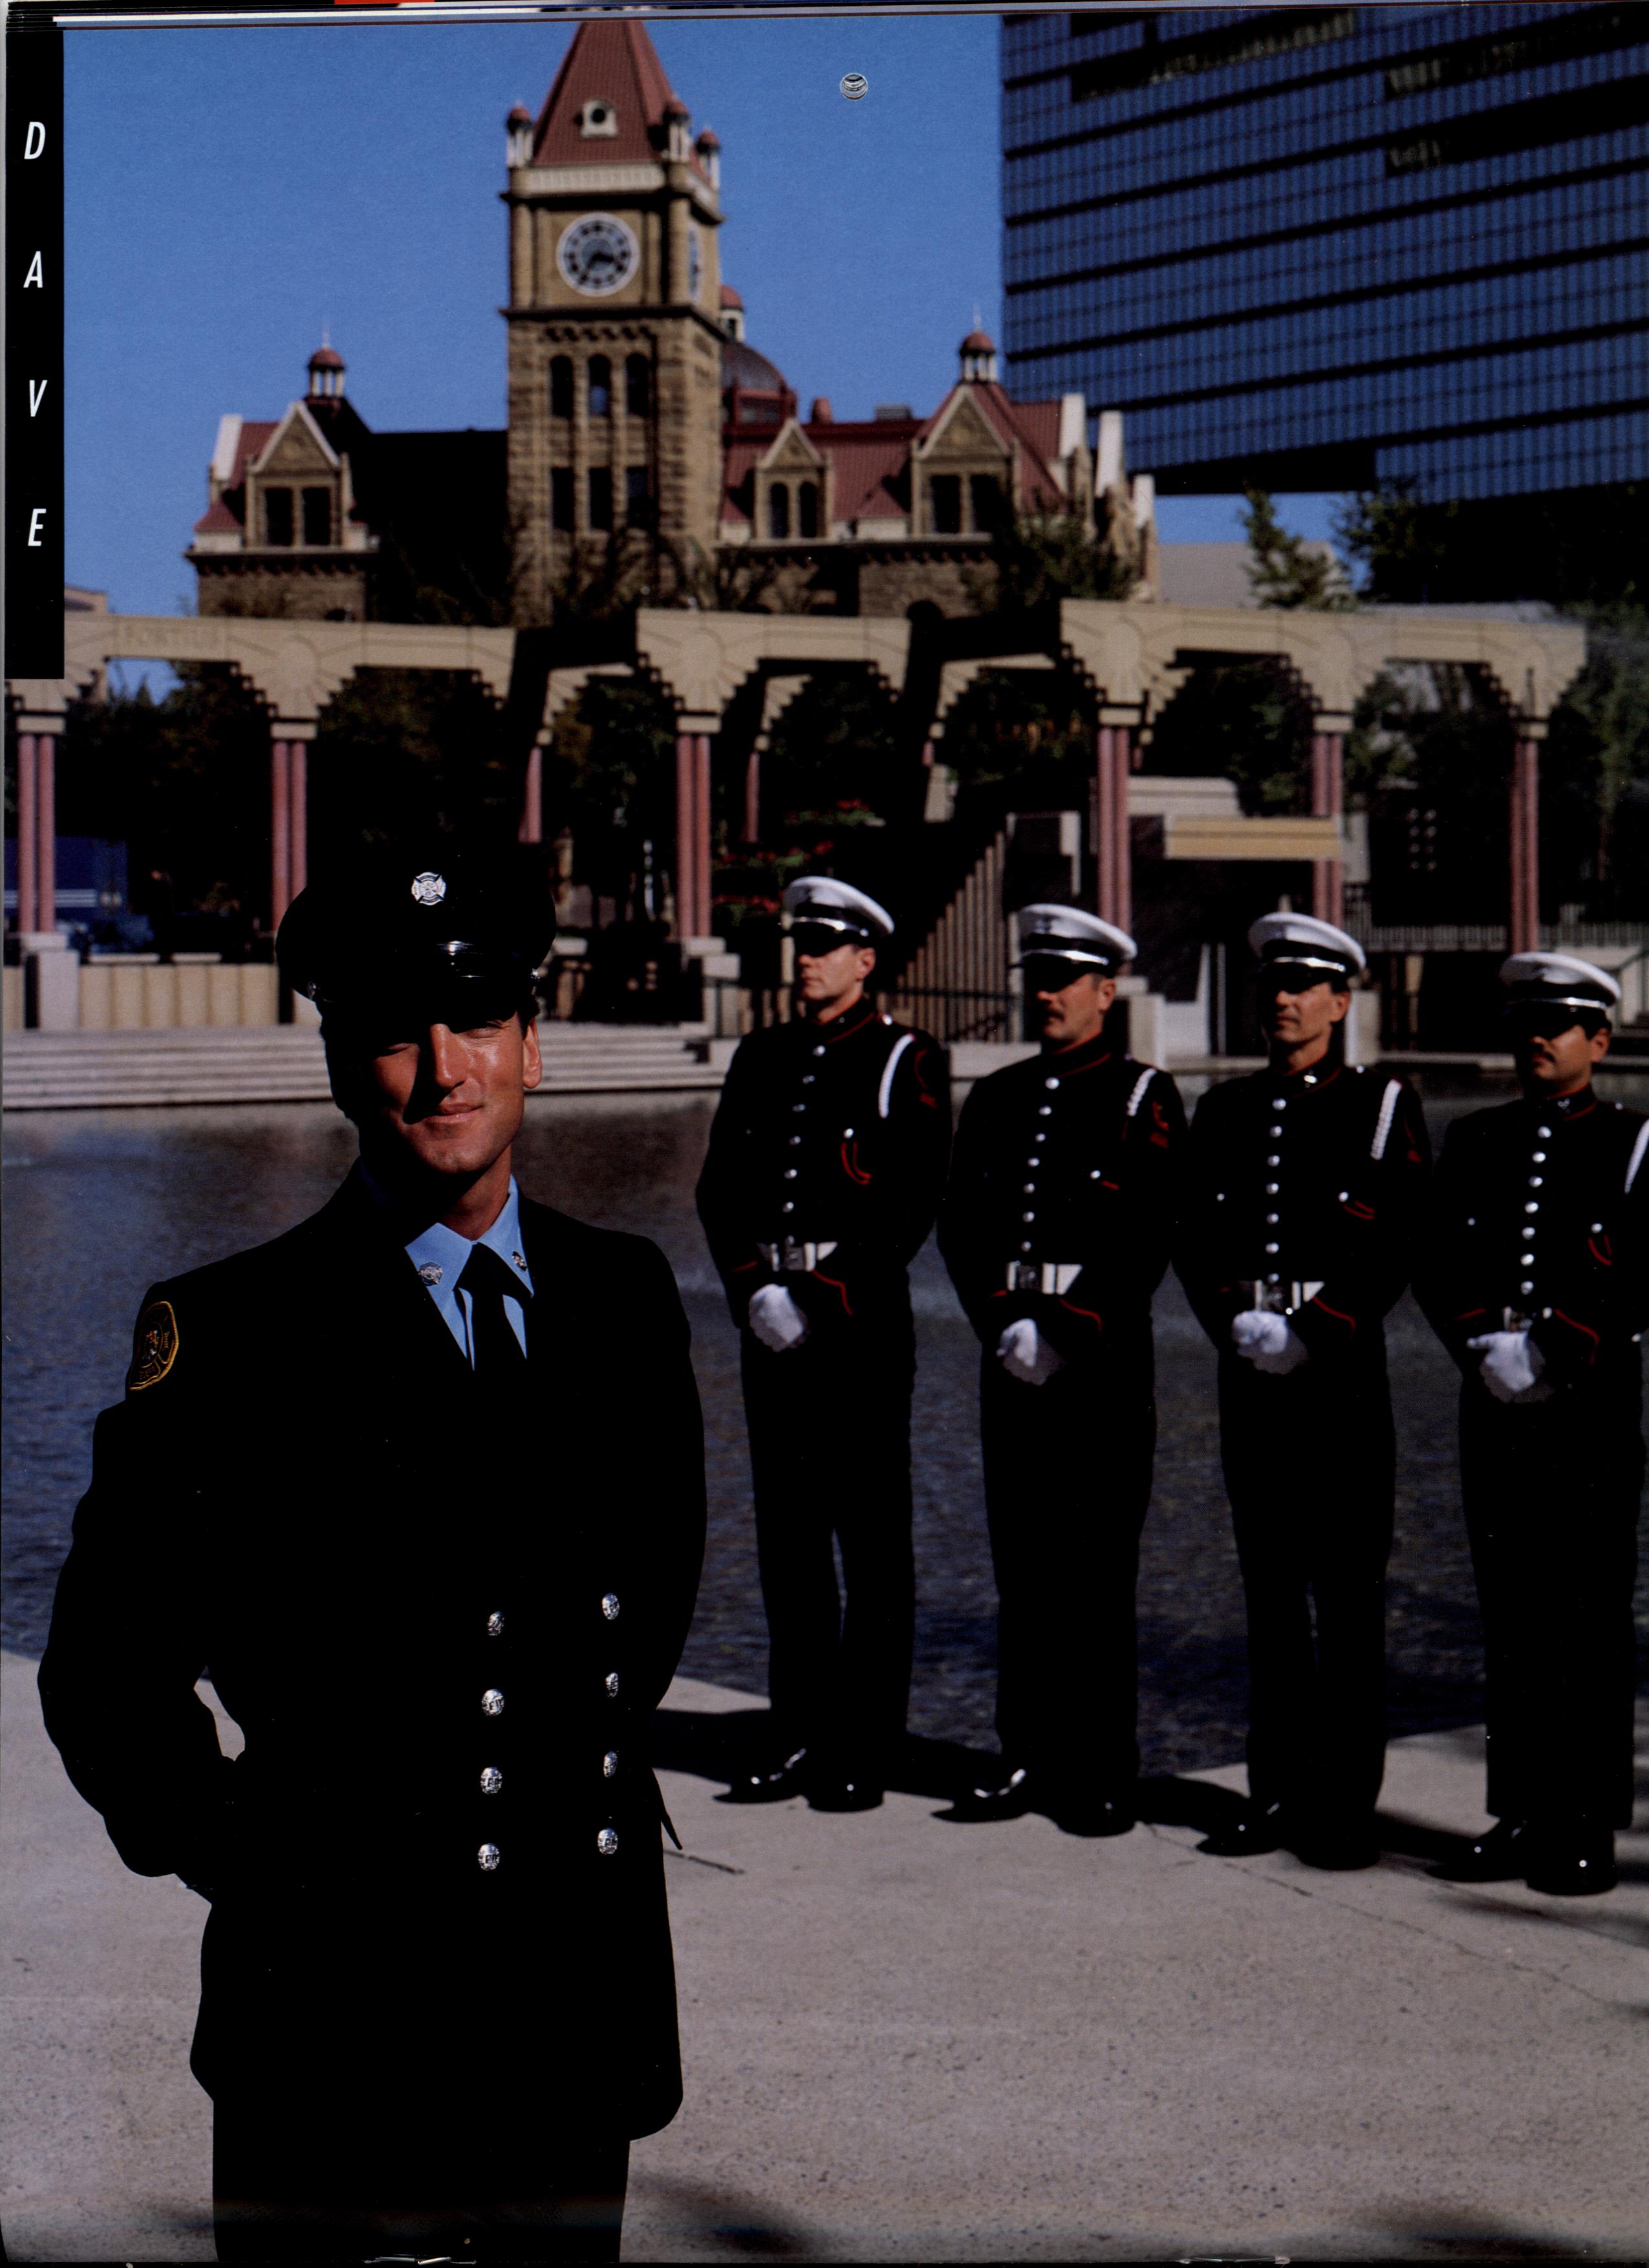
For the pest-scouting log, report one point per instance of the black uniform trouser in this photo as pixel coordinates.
(1551, 1494)
(830, 1456)
(1067, 1484)
(1310, 1466)
(456, 2173)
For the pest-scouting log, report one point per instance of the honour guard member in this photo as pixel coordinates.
(1057, 1228)
(1304, 1190)
(1537, 1279)
(382, 1479)
(826, 1163)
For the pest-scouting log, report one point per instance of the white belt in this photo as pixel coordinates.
(1054, 1276)
(1279, 1298)
(792, 1257)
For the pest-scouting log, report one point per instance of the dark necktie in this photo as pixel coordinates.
(489, 1280)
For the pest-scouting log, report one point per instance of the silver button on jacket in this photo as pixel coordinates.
(606, 1841)
(487, 1857)
(492, 1701)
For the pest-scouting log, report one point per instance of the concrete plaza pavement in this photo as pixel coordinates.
(906, 2040)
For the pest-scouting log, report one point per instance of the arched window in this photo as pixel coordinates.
(808, 508)
(637, 386)
(560, 386)
(778, 511)
(600, 385)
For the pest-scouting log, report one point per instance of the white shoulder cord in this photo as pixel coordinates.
(1387, 1112)
(885, 1093)
(1138, 1093)
(1639, 1147)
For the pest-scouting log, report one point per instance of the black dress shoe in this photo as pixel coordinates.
(840, 1791)
(1093, 1815)
(1573, 1863)
(1336, 1846)
(1499, 1856)
(771, 1783)
(1008, 1798)
(1257, 1828)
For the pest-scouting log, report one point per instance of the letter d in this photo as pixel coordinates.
(35, 142)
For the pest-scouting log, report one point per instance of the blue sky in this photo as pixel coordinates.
(231, 191)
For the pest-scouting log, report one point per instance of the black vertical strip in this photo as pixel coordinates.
(35, 351)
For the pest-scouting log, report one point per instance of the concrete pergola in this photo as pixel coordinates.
(726, 677)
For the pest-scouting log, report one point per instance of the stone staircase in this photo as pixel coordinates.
(283, 1063)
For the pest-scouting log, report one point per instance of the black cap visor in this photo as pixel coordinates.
(1052, 972)
(1301, 971)
(455, 983)
(816, 936)
(1546, 1019)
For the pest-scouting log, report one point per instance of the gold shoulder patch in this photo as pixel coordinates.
(154, 1346)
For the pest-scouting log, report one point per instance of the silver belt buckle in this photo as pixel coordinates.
(1279, 1298)
(1052, 1277)
(793, 1256)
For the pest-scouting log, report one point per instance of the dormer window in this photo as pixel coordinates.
(597, 117)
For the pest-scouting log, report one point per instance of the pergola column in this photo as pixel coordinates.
(692, 826)
(28, 843)
(1327, 801)
(1113, 840)
(532, 826)
(1523, 836)
(288, 813)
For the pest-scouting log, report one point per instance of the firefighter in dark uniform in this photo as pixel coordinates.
(1058, 1227)
(827, 1160)
(1303, 1195)
(1537, 1279)
(382, 1478)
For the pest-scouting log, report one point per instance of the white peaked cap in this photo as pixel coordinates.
(1305, 942)
(1559, 977)
(821, 897)
(1074, 935)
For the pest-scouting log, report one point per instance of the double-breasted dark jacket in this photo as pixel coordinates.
(1540, 1216)
(1060, 1203)
(836, 1135)
(442, 1614)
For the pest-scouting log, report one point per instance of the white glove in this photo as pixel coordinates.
(1269, 1342)
(776, 1319)
(1024, 1355)
(1512, 1366)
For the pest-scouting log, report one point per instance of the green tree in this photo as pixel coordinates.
(1038, 556)
(1289, 571)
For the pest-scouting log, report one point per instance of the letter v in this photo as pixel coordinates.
(37, 394)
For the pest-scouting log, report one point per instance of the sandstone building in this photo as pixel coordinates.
(648, 441)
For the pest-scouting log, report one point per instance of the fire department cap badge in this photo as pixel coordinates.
(154, 1346)
(428, 889)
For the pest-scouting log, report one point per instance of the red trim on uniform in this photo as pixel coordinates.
(1358, 1210)
(845, 1025)
(1585, 1330)
(1568, 1117)
(1604, 1259)
(851, 1167)
(836, 1285)
(1349, 1320)
(745, 1266)
(1469, 1315)
(1097, 1321)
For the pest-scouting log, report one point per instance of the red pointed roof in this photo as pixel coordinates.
(613, 62)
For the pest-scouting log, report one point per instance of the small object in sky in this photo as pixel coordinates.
(855, 87)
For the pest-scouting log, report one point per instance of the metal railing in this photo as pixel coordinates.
(951, 1013)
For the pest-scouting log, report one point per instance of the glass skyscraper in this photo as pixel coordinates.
(1321, 248)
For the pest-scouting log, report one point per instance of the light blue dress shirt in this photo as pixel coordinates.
(441, 1254)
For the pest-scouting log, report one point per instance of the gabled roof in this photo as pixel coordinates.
(1035, 426)
(866, 459)
(610, 62)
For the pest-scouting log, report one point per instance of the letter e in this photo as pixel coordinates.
(35, 518)
(33, 146)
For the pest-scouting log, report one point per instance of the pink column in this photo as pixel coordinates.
(1523, 829)
(297, 833)
(1123, 876)
(280, 830)
(46, 828)
(701, 830)
(685, 835)
(753, 795)
(28, 845)
(1327, 801)
(531, 826)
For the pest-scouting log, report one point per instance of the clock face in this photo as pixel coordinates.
(598, 254)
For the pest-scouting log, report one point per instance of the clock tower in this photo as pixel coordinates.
(615, 365)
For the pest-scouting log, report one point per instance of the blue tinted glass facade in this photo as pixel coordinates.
(1323, 247)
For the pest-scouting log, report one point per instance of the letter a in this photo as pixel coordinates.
(36, 141)
(36, 276)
